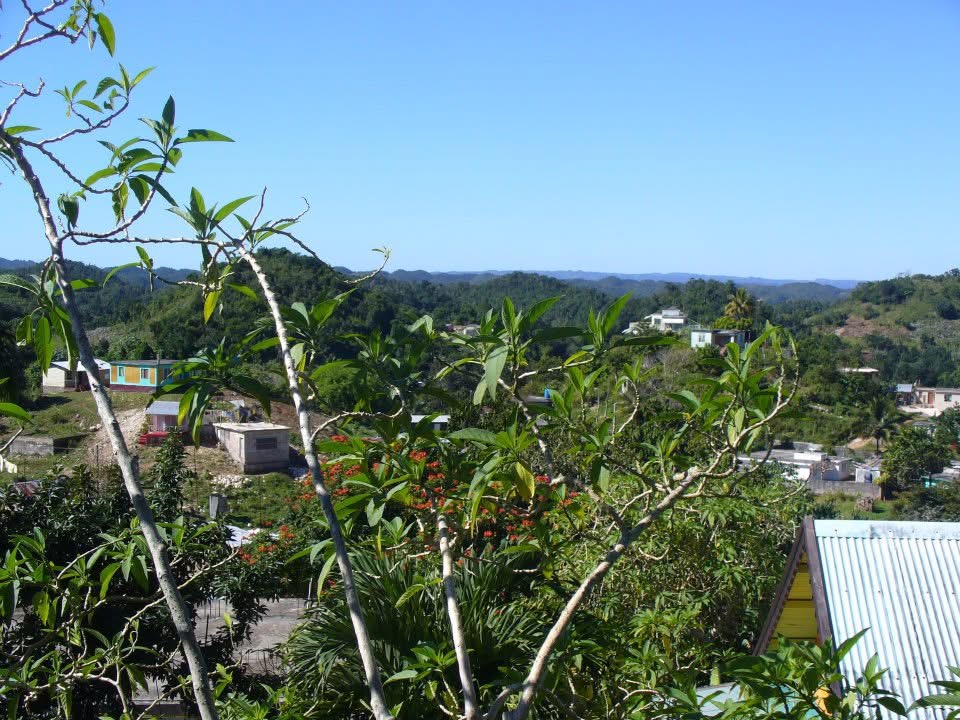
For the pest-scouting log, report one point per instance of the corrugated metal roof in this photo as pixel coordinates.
(164, 407)
(898, 580)
(64, 365)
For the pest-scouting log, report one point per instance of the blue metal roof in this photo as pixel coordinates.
(901, 580)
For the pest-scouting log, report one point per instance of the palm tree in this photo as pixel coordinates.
(740, 305)
(881, 419)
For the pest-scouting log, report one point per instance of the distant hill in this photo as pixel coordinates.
(644, 283)
(15, 264)
(680, 277)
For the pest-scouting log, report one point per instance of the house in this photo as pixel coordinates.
(896, 580)
(668, 319)
(60, 378)
(440, 422)
(139, 375)
(809, 465)
(936, 400)
(257, 447)
(470, 330)
(820, 472)
(162, 414)
(903, 393)
(702, 337)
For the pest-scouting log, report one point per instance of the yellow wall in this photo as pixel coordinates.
(798, 620)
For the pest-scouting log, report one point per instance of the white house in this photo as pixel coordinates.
(668, 319)
(936, 399)
(60, 378)
(440, 422)
(702, 337)
(257, 447)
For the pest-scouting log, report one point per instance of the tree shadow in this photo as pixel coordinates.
(45, 402)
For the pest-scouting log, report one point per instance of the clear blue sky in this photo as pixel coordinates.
(802, 139)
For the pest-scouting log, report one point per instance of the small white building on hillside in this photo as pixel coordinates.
(60, 378)
(668, 319)
(936, 400)
(702, 337)
(257, 447)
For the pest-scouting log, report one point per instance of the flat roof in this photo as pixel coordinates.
(250, 427)
(143, 362)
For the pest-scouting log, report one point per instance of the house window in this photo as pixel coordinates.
(144, 373)
(266, 443)
(947, 397)
(120, 372)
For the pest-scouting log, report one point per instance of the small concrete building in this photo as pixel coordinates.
(257, 447)
(60, 378)
(703, 337)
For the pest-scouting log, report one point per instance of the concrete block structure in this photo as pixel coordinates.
(257, 447)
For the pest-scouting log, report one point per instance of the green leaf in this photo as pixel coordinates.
(14, 411)
(374, 513)
(526, 482)
(407, 674)
(106, 575)
(600, 475)
(70, 207)
(325, 571)
(117, 269)
(140, 188)
(107, 35)
(536, 311)
(198, 135)
(223, 212)
(169, 111)
(612, 313)
(210, 304)
(100, 175)
(409, 594)
(42, 344)
(244, 290)
(493, 367)
(20, 129)
(484, 437)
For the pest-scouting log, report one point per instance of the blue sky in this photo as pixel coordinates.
(804, 140)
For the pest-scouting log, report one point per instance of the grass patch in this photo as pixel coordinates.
(840, 506)
(72, 413)
(259, 500)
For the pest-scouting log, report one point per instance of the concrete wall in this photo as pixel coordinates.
(41, 445)
(267, 450)
(822, 487)
(57, 379)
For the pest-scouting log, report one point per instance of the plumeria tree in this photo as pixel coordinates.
(622, 478)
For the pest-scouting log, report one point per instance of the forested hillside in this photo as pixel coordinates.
(907, 327)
